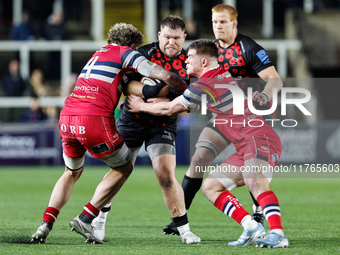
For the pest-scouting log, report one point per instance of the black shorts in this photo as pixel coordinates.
(134, 134)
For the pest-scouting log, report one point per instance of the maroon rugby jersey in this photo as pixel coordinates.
(98, 88)
(220, 101)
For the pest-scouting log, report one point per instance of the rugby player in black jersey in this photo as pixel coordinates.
(157, 132)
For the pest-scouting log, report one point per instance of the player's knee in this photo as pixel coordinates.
(227, 182)
(125, 170)
(205, 152)
(165, 180)
(120, 159)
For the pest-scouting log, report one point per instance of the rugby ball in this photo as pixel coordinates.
(149, 81)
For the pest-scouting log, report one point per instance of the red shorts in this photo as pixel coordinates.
(267, 147)
(96, 134)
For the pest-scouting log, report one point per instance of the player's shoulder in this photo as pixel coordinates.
(149, 49)
(243, 37)
(247, 41)
(183, 53)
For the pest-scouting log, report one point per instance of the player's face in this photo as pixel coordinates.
(222, 25)
(193, 62)
(171, 41)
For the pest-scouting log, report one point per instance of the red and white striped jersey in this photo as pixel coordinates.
(98, 88)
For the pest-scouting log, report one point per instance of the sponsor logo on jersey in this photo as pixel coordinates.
(275, 157)
(262, 55)
(86, 89)
(220, 77)
(264, 148)
(242, 47)
(103, 50)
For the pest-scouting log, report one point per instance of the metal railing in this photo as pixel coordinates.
(67, 47)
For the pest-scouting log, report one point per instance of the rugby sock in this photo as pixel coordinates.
(190, 187)
(106, 208)
(271, 210)
(182, 223)
(50, 216)
(89, 213)
(229, 205)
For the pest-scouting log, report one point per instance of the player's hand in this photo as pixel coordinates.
(158, 99)
(134, 103)
(261, 98)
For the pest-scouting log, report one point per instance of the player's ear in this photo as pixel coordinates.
(184, 36)
(204, 62)
(235, 23)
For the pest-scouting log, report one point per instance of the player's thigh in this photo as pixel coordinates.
(161, 142)
(133, 133)
(164, 166)
(213, 135)
(209, 145)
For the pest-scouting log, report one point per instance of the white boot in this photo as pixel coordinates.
(99, 225)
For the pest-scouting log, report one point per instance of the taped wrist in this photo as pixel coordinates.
(150, 91)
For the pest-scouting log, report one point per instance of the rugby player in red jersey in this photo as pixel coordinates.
(257, 148)
(87, 124)
(250, 65)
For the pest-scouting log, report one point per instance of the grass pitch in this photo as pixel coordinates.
(309, 208)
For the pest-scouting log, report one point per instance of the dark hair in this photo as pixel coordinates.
(125, 35)
(173, 22)
(204, 47)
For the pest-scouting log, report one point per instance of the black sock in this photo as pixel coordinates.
(254, 200)
(85, 218)
(181, 220)
(190, 187)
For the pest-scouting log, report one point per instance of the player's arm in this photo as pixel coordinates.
(136, 104)
(273, 80)
(147, 68)
(146, 91)
(170, 78)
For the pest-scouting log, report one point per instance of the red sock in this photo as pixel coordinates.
(50, 214)
(228, 204)
(91, 211)
(271, 209)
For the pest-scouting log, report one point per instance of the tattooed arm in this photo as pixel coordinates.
(172, 79)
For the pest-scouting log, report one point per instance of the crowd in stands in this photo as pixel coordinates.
(52, 27)
(13, 85)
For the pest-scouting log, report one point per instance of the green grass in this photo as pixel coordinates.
(310, 209)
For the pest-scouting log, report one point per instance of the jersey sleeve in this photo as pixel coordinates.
(257, 56)
(135, 60)
(191, 97)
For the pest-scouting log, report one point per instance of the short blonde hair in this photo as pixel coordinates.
(224, 7)
(125, 35)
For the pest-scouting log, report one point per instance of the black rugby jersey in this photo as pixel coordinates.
(177, 65)
(244, 59)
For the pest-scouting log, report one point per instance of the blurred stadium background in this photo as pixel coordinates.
(302, 38)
